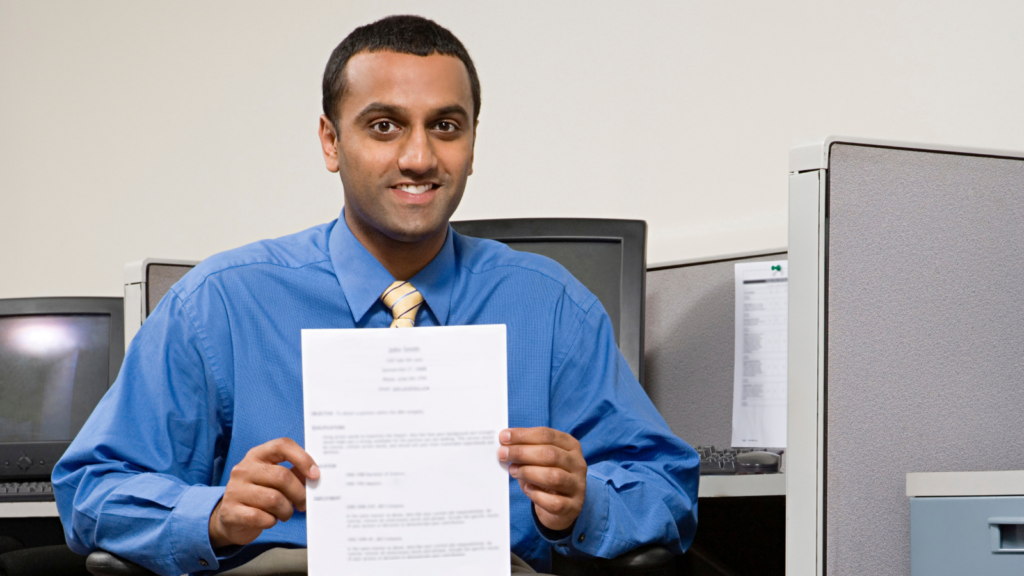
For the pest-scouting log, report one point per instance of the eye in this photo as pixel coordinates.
(446, 126)
(384, 127)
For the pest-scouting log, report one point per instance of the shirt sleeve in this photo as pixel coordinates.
(137, 480)
(641, 478)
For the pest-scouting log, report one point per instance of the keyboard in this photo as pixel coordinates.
(715, 461)
(26, 492)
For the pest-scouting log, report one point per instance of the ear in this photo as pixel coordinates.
(472, 152)
(329, 143)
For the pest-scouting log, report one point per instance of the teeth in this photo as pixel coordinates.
(414, 189)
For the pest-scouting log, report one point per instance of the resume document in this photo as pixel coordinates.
(404, 425)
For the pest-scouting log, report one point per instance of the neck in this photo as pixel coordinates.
(402, 259)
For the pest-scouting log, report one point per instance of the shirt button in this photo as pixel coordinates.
(583, 536)
(203, 562)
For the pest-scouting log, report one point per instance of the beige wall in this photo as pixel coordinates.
(132, 129)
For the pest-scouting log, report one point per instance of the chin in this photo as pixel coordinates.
(416, 226)
(414, 234)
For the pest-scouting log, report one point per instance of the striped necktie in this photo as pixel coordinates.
(403, 300)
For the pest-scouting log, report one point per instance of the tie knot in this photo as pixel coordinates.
(404, 300)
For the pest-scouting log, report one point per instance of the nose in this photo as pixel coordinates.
(417, 154)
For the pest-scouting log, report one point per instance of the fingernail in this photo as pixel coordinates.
(503, 453)
(513, 469)
(528, 488)
(314, 471)
(505, 436)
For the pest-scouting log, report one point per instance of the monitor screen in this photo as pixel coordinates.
(54, 369)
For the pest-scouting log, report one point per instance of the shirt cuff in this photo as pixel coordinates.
(190, 528)
(554, 537)
(587, 532)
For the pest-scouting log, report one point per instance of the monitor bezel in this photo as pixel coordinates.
(49, 452)
(632, 234)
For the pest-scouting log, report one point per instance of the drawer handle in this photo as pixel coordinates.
(1007, 535)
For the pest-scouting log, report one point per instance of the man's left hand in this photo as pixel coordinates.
(551, 471)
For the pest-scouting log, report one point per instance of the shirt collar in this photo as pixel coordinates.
(363, 279)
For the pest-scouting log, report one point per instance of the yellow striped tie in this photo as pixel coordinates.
(403, 300)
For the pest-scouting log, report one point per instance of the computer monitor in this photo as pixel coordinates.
(58, 357)
(608, 256)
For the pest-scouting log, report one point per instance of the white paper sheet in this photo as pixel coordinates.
(759, 381)
(404, 425)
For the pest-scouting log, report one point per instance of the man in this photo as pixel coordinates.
(180, 467)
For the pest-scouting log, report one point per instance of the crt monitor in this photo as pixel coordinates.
(608, 256)
(58, 357)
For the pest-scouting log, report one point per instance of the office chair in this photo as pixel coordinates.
(646, 561)
(608, 256)
(55, 560)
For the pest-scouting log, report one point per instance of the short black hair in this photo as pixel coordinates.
(402, 34)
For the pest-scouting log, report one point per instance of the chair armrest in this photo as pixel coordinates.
(643, 559)
(54, 559)
(652, 560)
(103, 563)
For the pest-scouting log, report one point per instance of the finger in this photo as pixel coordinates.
(552, 480)
(522, 485)
(242, 518)
(298, 475)
(544, 455)
(286, 450)
(554, 504)
(268, 500)
(282, 480)
(539, 435)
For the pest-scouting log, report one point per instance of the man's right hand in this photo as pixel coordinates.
(260, 492)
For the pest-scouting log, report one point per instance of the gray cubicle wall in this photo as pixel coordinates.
(924, 336)
(689, 346)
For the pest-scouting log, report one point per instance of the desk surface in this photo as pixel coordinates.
(750, 485)
(710, 487)
(1002, 483)
(27, 509)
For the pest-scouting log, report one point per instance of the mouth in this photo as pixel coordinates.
(415, 193)
(416, 189)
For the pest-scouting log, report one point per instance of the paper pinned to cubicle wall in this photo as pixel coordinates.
(759, 381)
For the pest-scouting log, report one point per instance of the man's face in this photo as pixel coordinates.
(405, 144)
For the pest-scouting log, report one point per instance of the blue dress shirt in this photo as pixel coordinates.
(216, 370)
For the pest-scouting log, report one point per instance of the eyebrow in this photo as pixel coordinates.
(381, 108)
(452, 110)
(391, 110)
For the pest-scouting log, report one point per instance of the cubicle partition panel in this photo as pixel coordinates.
(688, 359)
(689, 352)
(906, 338)
(145, 284)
